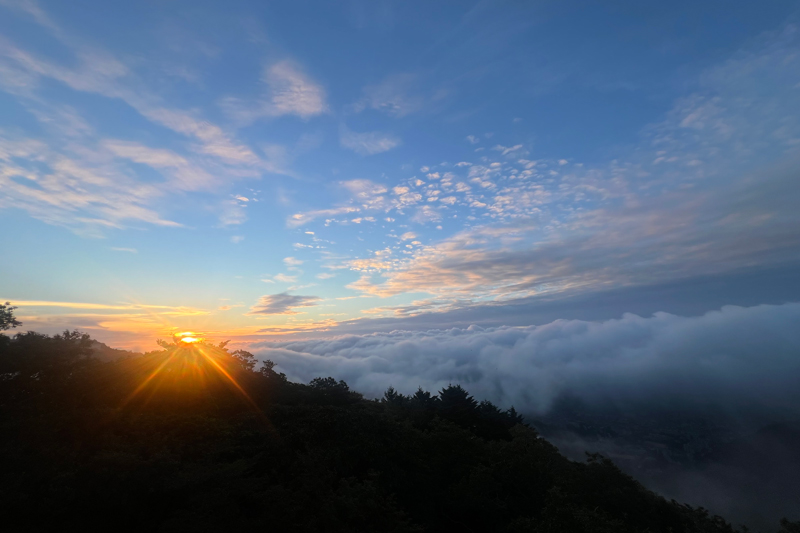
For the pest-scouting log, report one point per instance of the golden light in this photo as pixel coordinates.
(187, 337)
(187, 368)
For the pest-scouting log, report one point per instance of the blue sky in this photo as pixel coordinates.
(252, 170)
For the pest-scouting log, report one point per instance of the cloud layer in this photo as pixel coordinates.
(737, 357)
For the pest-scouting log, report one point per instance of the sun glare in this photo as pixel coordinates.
(188, 337)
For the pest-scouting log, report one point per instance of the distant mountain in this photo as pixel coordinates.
(104, 352)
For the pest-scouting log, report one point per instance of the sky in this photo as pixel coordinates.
(416, 177)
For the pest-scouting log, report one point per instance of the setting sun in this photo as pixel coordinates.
(188, 337)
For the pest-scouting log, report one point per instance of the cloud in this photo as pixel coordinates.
(129, 250)
(236, 239)
(426, 214)
(300, 219)
(291, 261)
(98, 72)
(391, 96)
(366, 192)
(232, 213)
(293, 92)
(282, 304)
(86, 194)
(290, 92)
(123, 325)
(90, 184)
(368, 195)
(368, 143)
(183, 174)
(731, 358)
(652, 216)
(505, 150)
(31, 7)
(677, 235)
(166, 309)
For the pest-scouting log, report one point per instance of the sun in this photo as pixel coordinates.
(187, 337)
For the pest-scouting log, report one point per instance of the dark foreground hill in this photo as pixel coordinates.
(194, 438)
(744, 468)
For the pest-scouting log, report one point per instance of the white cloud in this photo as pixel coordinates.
(426, 214)
(299, 219)
(735, 357)
(86, 194)
(232, 213)
(129, 250)
(293, 92)
(367, 143)
(83, 188)
(289, 92)
(366, 192)
(505, 150)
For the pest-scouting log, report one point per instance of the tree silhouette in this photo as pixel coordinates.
(514, 417)
(7, 320)
(455, 404)
(268, 371)
(244, 358)
(328, 390)
(394, 398)
(423, 399)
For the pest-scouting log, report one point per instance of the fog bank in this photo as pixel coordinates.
(735, 357)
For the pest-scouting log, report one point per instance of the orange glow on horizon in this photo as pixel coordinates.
(187, 337)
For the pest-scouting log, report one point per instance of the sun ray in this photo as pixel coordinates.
(227, 375)
(148, 379)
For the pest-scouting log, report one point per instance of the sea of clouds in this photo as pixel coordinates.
(735, 357)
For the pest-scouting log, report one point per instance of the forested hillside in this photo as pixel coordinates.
(194, 437)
